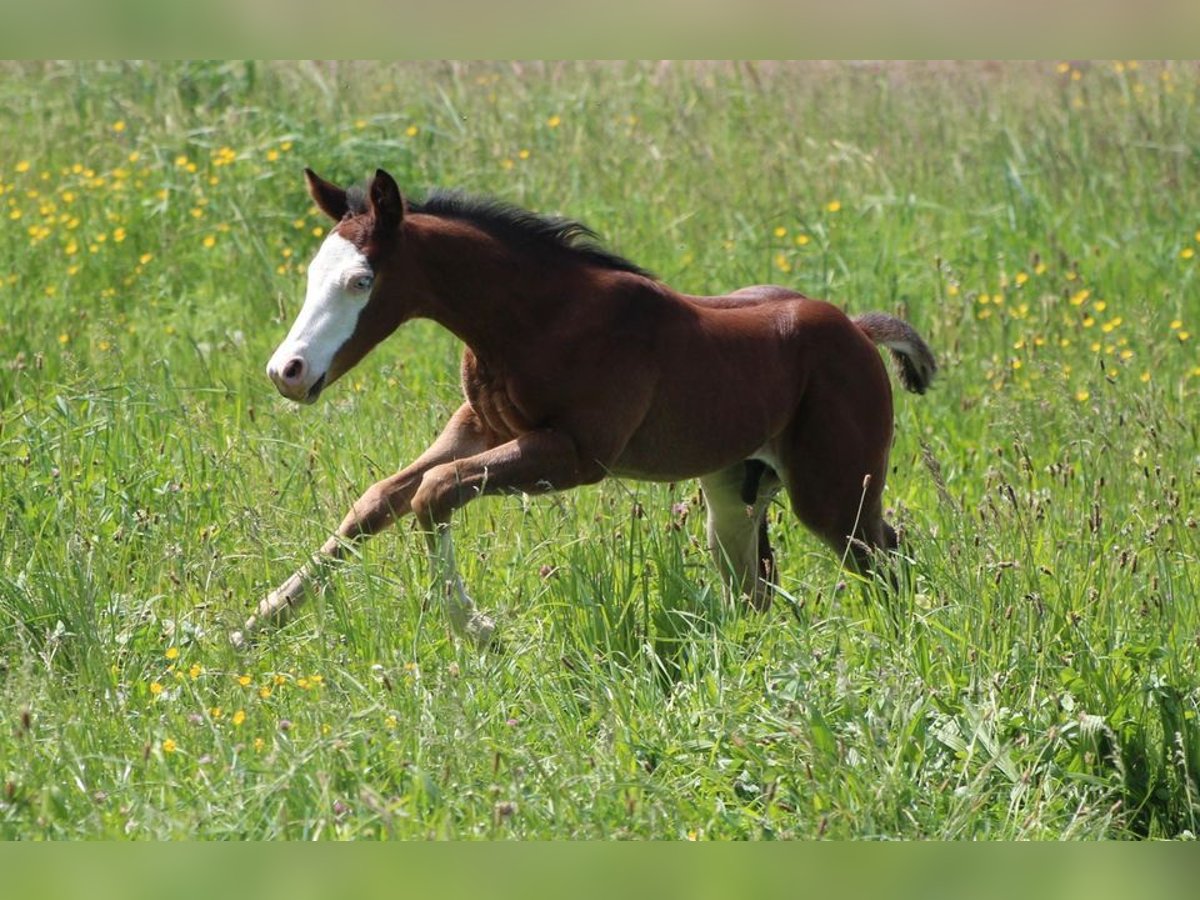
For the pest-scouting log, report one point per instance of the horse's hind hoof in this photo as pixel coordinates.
(481, 629)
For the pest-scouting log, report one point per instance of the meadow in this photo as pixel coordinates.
(1036, 676)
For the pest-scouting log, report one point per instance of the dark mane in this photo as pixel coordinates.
(512, 224)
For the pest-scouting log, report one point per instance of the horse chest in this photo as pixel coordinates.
(489, 393)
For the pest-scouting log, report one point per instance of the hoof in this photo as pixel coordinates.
(482, 630)
(241, 639)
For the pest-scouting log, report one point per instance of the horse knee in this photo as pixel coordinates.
(436, 496)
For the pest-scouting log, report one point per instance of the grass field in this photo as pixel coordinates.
(1039, 677)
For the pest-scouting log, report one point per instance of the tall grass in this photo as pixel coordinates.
(1035, 677)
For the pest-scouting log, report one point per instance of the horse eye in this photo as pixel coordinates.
(362, 282)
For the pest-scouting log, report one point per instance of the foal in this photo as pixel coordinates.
(580, 365)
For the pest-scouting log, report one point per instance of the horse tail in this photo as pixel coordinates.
(913, 356)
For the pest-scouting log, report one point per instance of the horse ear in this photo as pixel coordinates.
(330, 198)
(387, 206)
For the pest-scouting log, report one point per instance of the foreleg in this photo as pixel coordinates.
(534, 463)
(379, 506)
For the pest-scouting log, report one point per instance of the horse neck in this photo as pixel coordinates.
(486, 293)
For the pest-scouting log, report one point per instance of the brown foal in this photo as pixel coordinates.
(580, 365)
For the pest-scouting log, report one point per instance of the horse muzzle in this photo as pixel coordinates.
(293, 378)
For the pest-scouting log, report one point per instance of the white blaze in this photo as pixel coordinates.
(339, 286)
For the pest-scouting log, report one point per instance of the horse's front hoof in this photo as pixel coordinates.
(241, 639)
(481, 629)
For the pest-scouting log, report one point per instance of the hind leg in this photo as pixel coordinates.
(856, 532)
(835, 462)
(737, 499)
(865, 542)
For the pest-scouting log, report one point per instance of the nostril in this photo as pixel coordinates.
(293, 369)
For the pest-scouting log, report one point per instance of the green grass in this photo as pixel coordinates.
(1035, 678)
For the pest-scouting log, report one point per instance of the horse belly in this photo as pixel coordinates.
(671, 460)
(707, 427)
